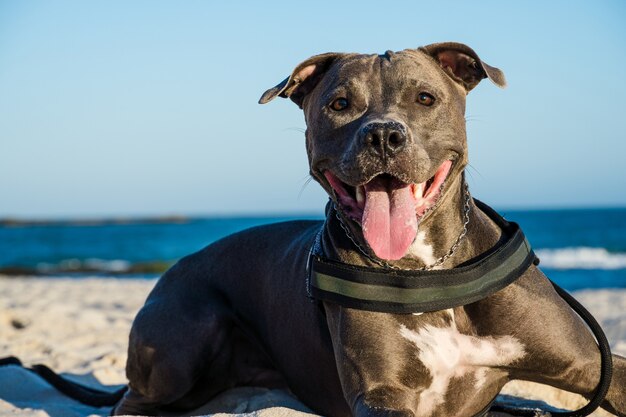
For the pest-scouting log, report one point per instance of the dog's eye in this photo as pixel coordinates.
(339, 104)
(425, 99)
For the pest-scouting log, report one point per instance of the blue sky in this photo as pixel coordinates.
(150, 107)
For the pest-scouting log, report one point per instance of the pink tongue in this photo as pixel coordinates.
(389, 220)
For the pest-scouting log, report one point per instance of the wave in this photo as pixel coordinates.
(91, 264)
(81, 267)
(581, 258)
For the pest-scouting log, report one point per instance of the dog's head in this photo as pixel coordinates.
(386, 133)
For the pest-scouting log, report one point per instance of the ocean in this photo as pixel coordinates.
(578, 248)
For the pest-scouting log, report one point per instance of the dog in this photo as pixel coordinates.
(386, 140)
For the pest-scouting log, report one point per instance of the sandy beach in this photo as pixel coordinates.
(79, 327)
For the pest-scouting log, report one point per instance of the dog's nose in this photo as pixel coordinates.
(386, 139)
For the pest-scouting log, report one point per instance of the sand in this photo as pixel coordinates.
(79, 327)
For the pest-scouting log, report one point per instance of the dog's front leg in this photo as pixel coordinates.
(568, 356)
(369, 362)
(559, 348)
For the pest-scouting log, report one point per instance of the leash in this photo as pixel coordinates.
(81, 393)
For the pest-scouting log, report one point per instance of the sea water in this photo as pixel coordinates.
(578, 248)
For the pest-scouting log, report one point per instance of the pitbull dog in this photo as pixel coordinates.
(386, 139)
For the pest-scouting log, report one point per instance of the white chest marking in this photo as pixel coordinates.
(422, 250)
(448, 354)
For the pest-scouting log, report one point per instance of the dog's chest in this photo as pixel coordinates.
(456, 361)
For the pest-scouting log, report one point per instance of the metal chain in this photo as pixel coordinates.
(457, 243)
(441, 260)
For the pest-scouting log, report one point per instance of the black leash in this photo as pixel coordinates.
(606, 365)
(81, 393)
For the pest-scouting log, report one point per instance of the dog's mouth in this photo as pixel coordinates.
(389, 209)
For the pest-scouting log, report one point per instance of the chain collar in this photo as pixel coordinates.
(441, 260)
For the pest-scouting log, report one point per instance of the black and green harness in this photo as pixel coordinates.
(418, 291)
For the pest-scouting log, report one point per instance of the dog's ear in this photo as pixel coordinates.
(302, 80)
(463, 65)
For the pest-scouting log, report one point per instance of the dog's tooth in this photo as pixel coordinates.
(418, 190)
(360, 195)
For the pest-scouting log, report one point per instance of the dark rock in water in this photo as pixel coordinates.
(15, 222)
(18, 271)
(156, 267)
(76, 267)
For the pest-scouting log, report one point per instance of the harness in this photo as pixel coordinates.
(418, 291)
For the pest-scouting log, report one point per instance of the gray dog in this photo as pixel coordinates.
(410, 299)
